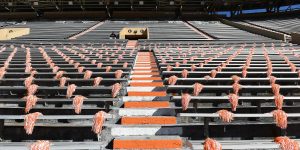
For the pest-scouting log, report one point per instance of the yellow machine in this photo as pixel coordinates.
(134, 33)
(10, 33)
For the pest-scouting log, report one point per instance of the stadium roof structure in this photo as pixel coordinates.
(205, 6)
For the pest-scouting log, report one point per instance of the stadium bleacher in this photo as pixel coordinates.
(53, 29)
(159, 29)
(286, 25)
(191, 85)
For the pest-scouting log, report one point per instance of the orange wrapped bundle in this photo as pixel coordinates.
(244, 71)
(70, 90)
(93, 62)
(125, 64)
(28, 68)
(278, 101)
(32, 73)
(62, 81)
(76, 65)
(280, 118)
(80, 69)
(219, 69)
(97, 81)
(211, 144)
(99, 65)
(225, 115)
(108, 68)
(28, 81)
(115, 89)
(234, 101)
(286, 143)
(293, 67)
(40, 145)
(236, 88)
(31, 89)
(169, 68)
(59, 74)
(2, 73)
(30, 102)
(207, 77)
(201, 65)
(272, 79)
(235, 78)
(29, 121)
(185, 100)
(223, 65)
(71, 61)
(269, 72)
(184, 73)
(172, 80)
(193, 67)
(77, 103)
(87, 74)
(98, 122)
(213, 73)
(55, 69)
(197, 88)
(118, 74)
(275, 89)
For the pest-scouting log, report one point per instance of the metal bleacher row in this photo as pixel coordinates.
(286, 25)
(59, 122)
(225, 32)
(253, 116)
(159, 29)
(52, 29)
(254, 68)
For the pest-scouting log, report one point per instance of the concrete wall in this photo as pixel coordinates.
(256, 30)
(125, 32)
(295, 38)
(9, 33)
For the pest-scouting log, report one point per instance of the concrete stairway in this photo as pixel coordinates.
(131, 44)
(140, 118)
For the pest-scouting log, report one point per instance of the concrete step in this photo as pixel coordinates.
(144, 62)
(156, 93)
(160, 120)
(143, 73)
(145, 98)
(148, 142)
(153, 70)
(131, 44)
(149, 104)
(143, 84)
(145, 65)
(145, 130)
(142, 68)
(138, 81)
(146, 112)
(145, 89)
(145, 78)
